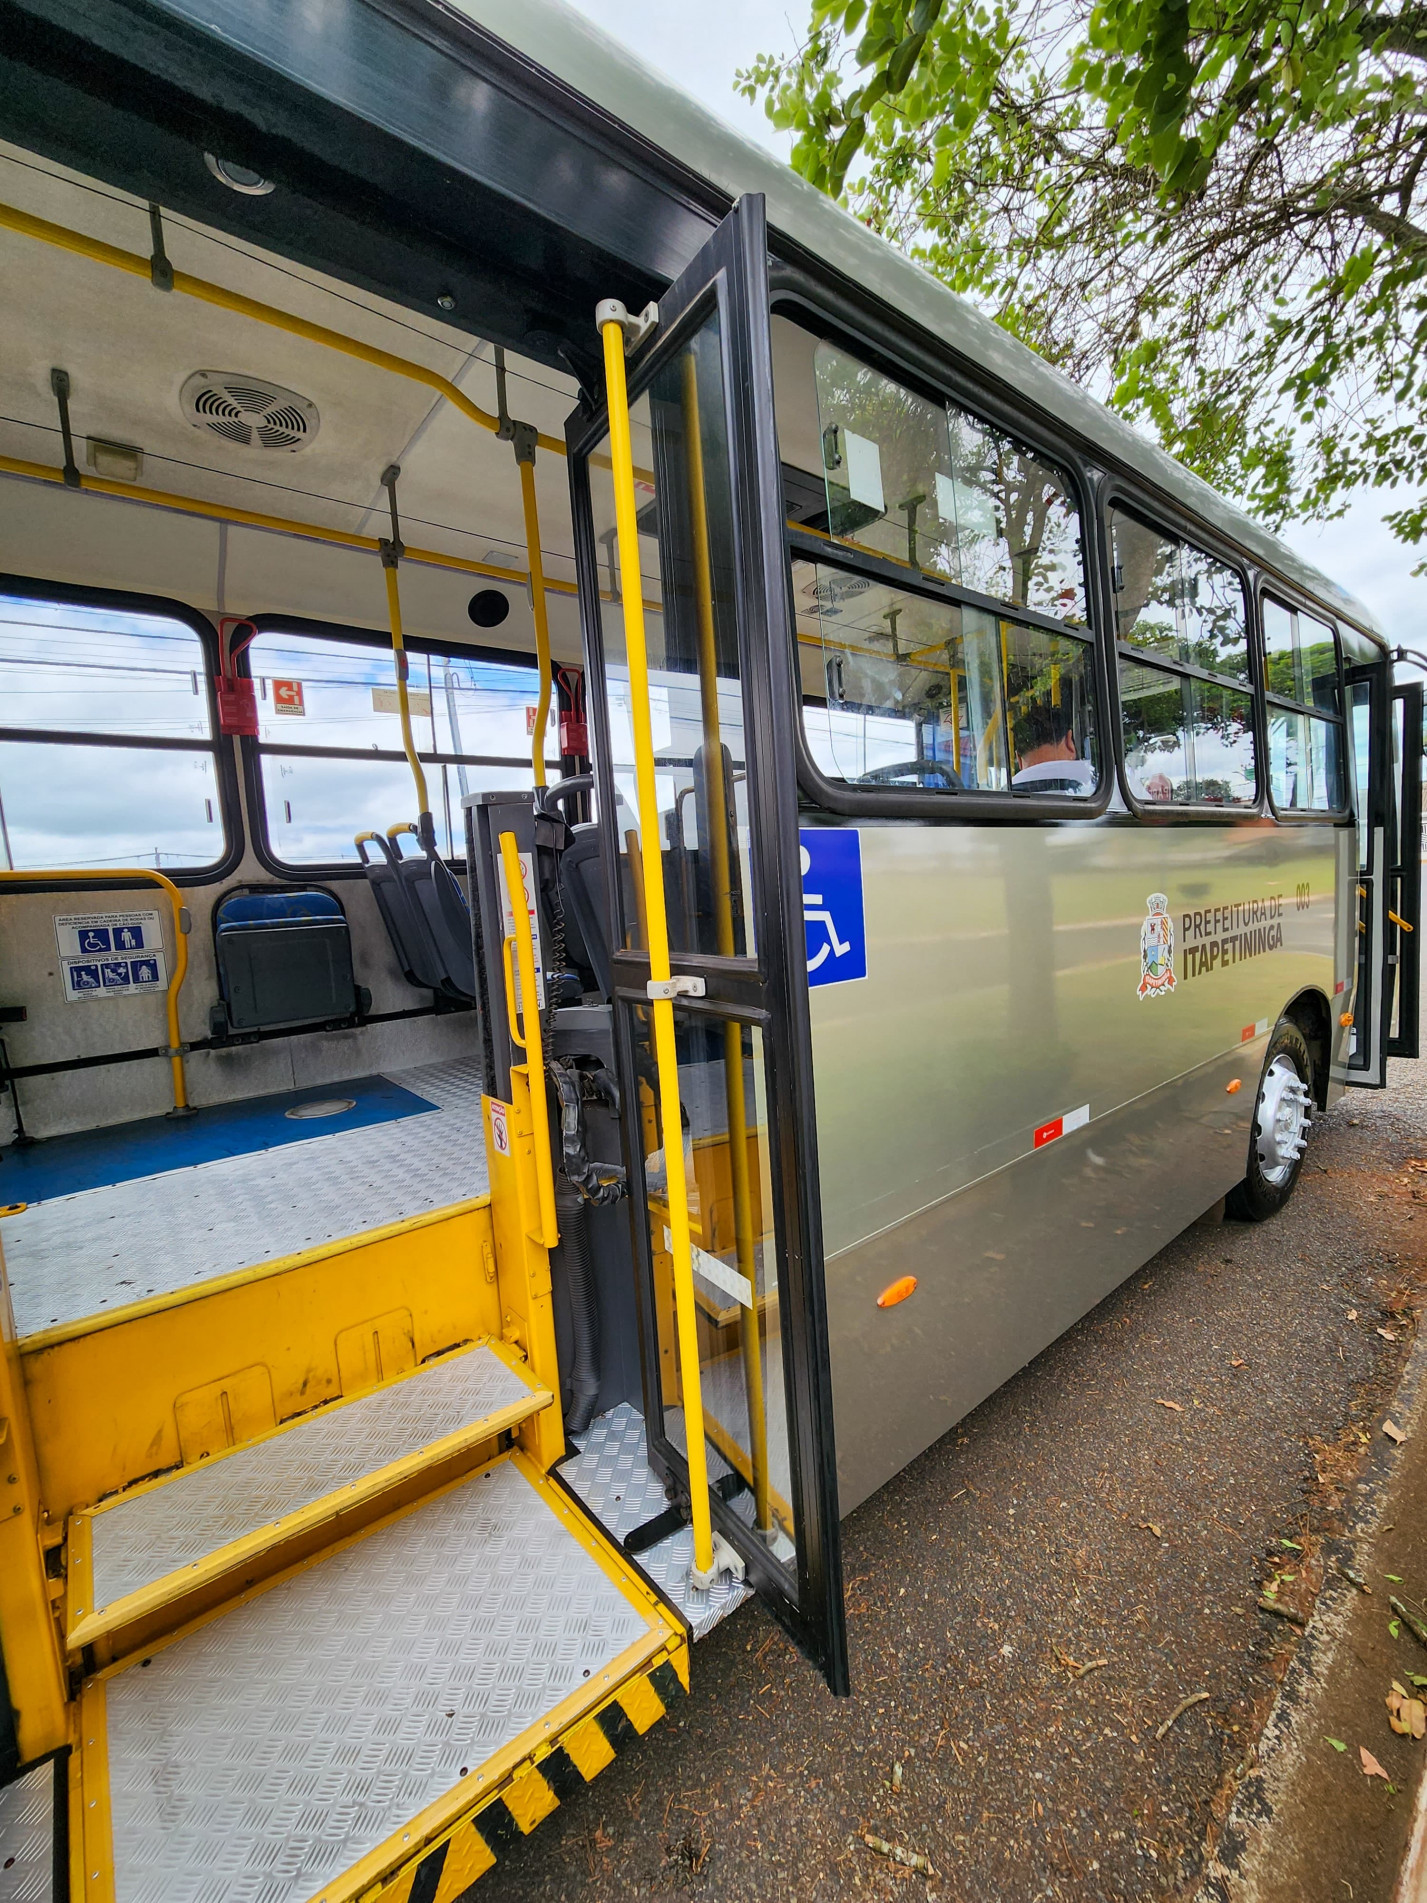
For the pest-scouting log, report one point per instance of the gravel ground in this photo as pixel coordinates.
(1031, 1601)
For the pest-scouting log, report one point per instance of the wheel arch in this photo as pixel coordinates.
(1311, 1012)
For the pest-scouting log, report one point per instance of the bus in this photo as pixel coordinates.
(639, 855)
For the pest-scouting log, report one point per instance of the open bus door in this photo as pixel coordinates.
(1387, 740)
(697, 482)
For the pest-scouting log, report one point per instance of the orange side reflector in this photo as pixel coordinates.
(897, 1291)
(1233, 1084)
(1346, 1019)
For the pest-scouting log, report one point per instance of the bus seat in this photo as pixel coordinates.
(441, 904)
(405, 922)
(582, 894)
(284, 956)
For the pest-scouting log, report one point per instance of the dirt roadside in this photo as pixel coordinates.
(1033, 1600)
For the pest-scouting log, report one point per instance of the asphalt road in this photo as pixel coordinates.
(1032, 1600)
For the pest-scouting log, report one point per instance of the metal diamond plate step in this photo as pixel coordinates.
(27, 1837)
(610, 1472)
(158, 1542)
(284, 1750)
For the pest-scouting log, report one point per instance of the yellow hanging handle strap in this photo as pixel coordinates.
(528, 1035)
(392, 551)
(661, 1009)
(111, 876)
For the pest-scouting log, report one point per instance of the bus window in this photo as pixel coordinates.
(107, 753)
(329, 743)
(901, 689)
(1188, 736)
(929, 485)
(1306, 742)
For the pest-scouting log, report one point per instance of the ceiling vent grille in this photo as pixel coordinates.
(249, 411)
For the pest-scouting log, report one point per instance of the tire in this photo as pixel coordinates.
(1282, 1115)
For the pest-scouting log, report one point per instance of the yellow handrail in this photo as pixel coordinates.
(135, 265)
(723, 870)
(542, 623)
(277, 524)
(111, 876)
(132, 262)
(528, 1036)
(661, 1009)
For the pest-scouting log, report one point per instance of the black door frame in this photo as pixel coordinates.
(730, 274)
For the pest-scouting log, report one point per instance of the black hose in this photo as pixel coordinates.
(571, 1213)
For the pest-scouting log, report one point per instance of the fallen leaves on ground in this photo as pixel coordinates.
(1148, 1526)
(1371, 1767)
(1387, 1334)
(1407, 1715)
(1170, 1404)
(1337, 1744)
(1394, 1432)
(1238, 1362)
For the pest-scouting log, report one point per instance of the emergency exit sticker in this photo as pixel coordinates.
(110, 954)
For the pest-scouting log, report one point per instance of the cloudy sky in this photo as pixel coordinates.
(700, 45)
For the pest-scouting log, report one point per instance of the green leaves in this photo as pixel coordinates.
(1214, 212)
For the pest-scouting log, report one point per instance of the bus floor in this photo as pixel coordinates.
(95, 1250)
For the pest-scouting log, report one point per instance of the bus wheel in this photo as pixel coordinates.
(1280, 1134)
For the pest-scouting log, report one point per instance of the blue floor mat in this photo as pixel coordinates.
(94, 1159)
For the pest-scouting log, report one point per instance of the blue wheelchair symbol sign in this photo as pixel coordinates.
(832, 904)
(94, 938)
(115, 975)
(84, 977)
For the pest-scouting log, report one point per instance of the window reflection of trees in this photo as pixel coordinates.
(957, 498)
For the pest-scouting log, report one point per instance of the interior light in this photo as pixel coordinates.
(238, 178)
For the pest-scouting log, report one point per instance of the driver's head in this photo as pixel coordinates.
(1045, 732)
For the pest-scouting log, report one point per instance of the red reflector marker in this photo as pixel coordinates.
(897, 1291)
(1234, 1083)
(1340, 986)
(1061, 1126)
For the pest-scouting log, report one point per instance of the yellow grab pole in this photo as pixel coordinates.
(403, 698)
(111, 876)
(537, 604)
(735, 1096)
(278, 524)
(528, 1037)
(661, 1009)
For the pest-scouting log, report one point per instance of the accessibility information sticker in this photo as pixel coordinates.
(111, 954)
(832, 904)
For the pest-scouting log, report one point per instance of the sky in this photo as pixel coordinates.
(700, 44)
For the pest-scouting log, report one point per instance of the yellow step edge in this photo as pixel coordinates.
(86, 1624)
(527, 1790)
(51, 1337)
(476, 1822)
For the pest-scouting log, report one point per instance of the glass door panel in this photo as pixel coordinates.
(723, 1086)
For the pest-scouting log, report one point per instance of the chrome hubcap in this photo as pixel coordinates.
(1285, 1111)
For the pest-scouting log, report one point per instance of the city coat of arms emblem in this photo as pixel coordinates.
(1157, 949)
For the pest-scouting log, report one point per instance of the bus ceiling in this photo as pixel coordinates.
(508, 214)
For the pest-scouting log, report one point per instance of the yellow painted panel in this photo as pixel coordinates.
(29, 1636)
(102, 1403)
(589, 1749)
(522, 1271)
(642, 1704)
(236, 1407)
(375, 1350)
(529, 1798)
(469, 1857)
